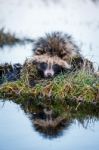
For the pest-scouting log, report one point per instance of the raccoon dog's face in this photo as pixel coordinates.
(48, 66)
(48, 70)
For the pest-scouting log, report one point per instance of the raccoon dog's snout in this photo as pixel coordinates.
(48, 73)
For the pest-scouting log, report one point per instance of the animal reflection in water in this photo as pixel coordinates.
(51, 125)
(48, 124)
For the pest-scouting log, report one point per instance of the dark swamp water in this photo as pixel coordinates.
(23, 128)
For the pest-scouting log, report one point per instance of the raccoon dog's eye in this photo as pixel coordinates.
(57, 68)
(43, 65)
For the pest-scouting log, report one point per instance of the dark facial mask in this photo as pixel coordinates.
(41, 67)
(57, 69)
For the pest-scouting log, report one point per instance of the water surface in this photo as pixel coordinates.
(17, 132)
(15, 54)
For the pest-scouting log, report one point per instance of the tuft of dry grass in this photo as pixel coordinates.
(7, 38)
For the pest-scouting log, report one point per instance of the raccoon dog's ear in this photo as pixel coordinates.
(39, 51)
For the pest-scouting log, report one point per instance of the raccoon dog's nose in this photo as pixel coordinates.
(49, 75)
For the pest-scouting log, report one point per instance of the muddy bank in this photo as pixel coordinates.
(9, 72)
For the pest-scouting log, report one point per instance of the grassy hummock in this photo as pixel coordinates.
(79, 86)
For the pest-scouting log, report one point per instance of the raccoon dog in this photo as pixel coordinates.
(55, 53)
